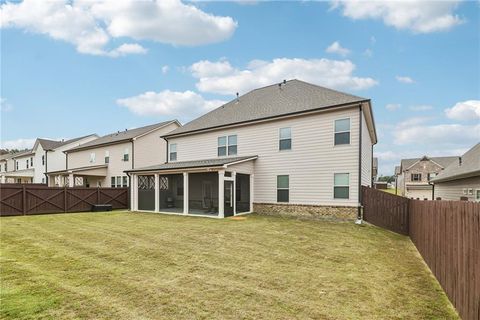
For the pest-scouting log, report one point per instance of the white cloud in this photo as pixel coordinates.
(4, 105)
(404, 79)
(19, 144)
(169, 103)
(466, 110)
(368, 53)
(393, 106)
(220, 77)
(127, 48)
(90, 26)
(165, 69)
(337, 48)
(416, 15)
(417, 132)
(421, 108)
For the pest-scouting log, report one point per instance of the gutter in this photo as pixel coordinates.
(359, 213)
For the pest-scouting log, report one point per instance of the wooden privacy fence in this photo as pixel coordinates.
(447, 235)
(26, 199)
(385, 210)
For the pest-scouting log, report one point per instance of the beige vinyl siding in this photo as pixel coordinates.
(311, 163)
(151, 149)
(366, 154)
(453, 190)
(247, 167)
(116, 166)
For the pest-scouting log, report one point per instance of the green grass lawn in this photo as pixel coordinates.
(123, 265)
(391, 191)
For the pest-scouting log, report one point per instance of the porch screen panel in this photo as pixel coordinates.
(171, 193)
(146, 192)
(242, 193)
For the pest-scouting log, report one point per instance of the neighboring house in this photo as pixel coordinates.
(292, 147)
(374, 169)
(17, 167)
(102, 162)
(460, 179)
(30, 166)
(413, 180)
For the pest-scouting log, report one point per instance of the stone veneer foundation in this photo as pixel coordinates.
(306, 211)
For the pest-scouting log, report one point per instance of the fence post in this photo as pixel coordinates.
(65, 199)
(24, 200)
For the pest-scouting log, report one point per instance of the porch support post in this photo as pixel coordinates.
(251, 192)
(221, 189)
(132, 192)
(135, 192)
(157, 193)
(3, 179)
(234, 176)
(71, 181)
(185, 193)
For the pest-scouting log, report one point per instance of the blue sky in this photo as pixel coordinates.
(74, 69)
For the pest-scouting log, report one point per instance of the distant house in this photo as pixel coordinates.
(374, 169)
(30, 166)
(414, 175)
(292, 147)
(102, 162)
(460, 179)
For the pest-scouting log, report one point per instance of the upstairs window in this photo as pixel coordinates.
(416, 177)
(342, 131)
(43, 160)
(285, 141)
(173, 152)
(341, 188)
(27, 163)
(227, 145)
(31, 162)
(432, 175)
(16, 165)
(107, 156)
(92, 157)
(283, 188)
(125, 155)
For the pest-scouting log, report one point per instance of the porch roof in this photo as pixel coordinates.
(206, 163)
(100, 170)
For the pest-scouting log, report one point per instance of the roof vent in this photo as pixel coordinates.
(284, 81)
(460, 161)
(238, 100)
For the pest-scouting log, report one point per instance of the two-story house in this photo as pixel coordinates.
(102, 162)
(31, 166)
(461, 178)
(414, 175)
(292, 147)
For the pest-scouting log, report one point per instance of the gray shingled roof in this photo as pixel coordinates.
(443, 161)
(470, 166)
(52, 144)
(120, 136)
(272, 101)
(217, 162)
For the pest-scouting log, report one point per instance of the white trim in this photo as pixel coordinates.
(240, 161)
(157, 192)
(221, 191)
(185, 192)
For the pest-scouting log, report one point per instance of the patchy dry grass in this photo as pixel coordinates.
(137, 265)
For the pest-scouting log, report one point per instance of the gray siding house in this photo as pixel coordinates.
(292, 148)
(461, 179)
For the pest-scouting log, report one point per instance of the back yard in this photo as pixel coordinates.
(138, 265)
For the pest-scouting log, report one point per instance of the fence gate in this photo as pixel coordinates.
(385, 210)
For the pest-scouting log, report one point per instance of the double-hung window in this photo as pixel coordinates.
(107, 156)
(341, 187)
(125, 155)
(416, 177)
(92, 157)
(285, 139)
(173, 152)
(31, 162)
(124, 181)
(27, 163)
(283, 188)
(227, 145)
(43, 160)
(112, 182)
(342, 131)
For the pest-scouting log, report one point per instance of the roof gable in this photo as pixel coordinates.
(121, 136)
(465, 165)
(290, 97)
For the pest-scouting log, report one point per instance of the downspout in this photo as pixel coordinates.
(133, 153)
(359, 213)
(166, 149)
(46, 166)
(433, 189)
